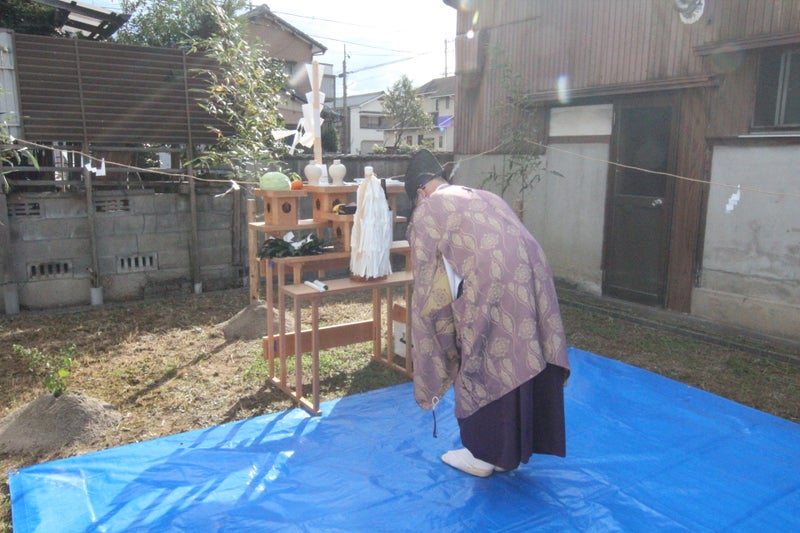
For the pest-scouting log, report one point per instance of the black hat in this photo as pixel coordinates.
(422, 168)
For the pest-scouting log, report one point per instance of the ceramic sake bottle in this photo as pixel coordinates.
(337, 172)
(313, 173)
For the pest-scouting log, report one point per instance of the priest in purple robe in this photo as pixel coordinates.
(485, 319)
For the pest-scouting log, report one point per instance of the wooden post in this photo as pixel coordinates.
(194, 255)
(315, 86)
(252, 250)
(236, 253)
(87, 181)
(7, 281)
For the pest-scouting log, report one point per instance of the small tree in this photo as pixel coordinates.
(52, 369)
(171, 23)
(404, 108)
(24, 16)
(243, 94)
(330, 139)
(11, 154)
(523, 166)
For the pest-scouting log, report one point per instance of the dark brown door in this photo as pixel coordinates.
(639, 204)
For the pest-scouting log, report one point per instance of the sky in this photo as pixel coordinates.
(384, 39)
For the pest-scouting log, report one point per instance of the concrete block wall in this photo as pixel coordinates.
(143, 241)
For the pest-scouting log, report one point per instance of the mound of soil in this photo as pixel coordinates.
(48, 424)
(251, 323)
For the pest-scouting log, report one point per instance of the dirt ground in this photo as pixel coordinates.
(162, 367)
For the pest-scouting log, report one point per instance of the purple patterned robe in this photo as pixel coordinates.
(505, 327)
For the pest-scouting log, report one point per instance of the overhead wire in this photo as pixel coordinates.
(492, 151)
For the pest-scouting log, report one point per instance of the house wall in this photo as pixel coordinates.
(568, 209)
(565, 210)
(363, 139)
(594, 48)
(751, 260)
(280, 43)
(110, 94)
(446, 135)
(565, 54)
(567, 221)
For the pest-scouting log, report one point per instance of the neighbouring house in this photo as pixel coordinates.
(369, 125)
(674, 127)
(438, 99)
(296, 49)
(363, 120)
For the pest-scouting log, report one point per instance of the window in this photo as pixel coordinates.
(778, 92)
(288, 67)
(373, 122)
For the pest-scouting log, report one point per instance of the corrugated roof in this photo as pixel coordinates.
(87, 21)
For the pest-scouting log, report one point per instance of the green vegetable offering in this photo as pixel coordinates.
(275, 181)
(285, 247)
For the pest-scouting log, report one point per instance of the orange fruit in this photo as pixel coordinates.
(296, 185)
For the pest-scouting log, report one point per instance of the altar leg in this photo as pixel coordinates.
(315, 352)
(389, 327)
(376, 324)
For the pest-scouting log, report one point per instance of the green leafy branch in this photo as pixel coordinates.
(524, 166)
(243, 91)
(12, 154)
(274, 247)
(52, 369)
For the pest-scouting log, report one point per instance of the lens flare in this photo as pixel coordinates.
(562, 88)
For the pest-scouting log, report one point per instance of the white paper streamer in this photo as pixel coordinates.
(101, 171)
(234, 187)
(733, 200)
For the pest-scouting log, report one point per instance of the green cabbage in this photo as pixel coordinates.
(275, 181)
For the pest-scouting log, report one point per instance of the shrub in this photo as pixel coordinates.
(52, 369)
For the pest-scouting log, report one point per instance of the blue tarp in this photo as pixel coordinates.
(645, 453)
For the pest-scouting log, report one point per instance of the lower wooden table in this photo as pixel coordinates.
(317, 338)
(296, 265)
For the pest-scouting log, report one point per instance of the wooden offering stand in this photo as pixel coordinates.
(280, 211)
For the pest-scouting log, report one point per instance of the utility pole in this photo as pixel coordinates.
(445, 58)
(345, 111)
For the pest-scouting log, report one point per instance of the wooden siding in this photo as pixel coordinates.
(688, 201)
(602, 48)
(734, 100)
(104, 93)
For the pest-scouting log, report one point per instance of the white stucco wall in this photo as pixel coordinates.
(362, 139)
(565, 214)
(751, 258)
